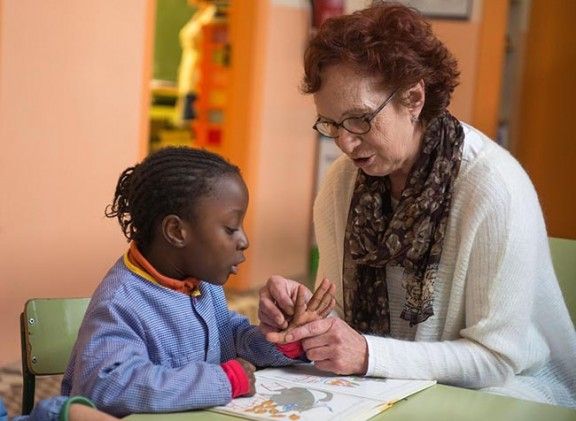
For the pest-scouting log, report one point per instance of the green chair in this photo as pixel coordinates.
(564, 260)
(48, 331)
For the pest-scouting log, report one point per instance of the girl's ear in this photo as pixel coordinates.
(174, 231)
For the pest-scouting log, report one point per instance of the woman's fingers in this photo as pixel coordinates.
(269, 314)
(282, 291)
(277, 299)
(277, 337)
(308, 330)
(340, 350)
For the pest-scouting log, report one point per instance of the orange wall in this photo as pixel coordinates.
(479, 46)
(243, 120)
(490, 64)
(72, 77)
(268, 134)
(545, 143)
(461, 38)
(286, 154)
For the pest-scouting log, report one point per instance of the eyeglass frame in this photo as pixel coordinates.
(368, 117)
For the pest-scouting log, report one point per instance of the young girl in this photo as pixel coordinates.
(157, 335)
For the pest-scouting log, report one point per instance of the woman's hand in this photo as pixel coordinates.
(340, 349)
(277, 301)
(333, 346)
(249, 369)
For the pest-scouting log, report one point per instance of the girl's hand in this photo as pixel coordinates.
(249, 369)
(319, 306)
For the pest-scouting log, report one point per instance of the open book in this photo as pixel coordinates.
(303, 393)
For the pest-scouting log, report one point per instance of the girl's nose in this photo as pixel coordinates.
(243, 242)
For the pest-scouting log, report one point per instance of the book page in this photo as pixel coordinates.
(381, 389)
(303, 393)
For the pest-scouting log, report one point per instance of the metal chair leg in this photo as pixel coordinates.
(28, 379)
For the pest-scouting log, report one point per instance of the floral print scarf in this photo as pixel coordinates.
(410, 236)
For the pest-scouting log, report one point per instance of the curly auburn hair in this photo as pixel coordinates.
(389, 40)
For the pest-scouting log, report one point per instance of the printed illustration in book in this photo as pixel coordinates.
(304, 393)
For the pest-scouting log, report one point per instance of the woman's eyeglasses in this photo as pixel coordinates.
(355, 125)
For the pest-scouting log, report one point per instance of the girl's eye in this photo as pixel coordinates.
(230, 230)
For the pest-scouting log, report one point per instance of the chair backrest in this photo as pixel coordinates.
(48, 331)
(564, 260)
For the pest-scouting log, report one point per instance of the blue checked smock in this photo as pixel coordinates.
(146, 348)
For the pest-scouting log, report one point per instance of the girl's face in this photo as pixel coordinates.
(391, 146)
(216, 240)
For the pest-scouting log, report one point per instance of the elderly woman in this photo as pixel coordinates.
(432, 233)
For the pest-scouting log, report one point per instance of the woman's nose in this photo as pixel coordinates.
(347, 141)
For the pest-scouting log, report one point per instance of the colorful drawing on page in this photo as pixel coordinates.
(341, 382)
(350, 381)
(296, 394)
(307, 374)
(286, 402)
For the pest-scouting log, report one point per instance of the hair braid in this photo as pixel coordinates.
(120, 207)
(170, 181)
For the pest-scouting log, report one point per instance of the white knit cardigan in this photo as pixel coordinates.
(500, 322)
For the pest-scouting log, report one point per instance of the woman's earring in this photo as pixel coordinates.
(413, 119)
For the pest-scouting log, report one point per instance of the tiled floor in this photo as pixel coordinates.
(47, 386)
(11, 387)
(246, 304)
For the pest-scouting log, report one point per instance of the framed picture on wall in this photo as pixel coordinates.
(442, 9)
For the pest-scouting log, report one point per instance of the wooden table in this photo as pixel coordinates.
(437, 403)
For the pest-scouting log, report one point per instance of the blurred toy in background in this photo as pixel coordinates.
(189, 69)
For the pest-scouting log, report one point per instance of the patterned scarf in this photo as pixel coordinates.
(411, 236)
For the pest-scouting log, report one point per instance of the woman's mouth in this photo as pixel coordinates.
(363, 162)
